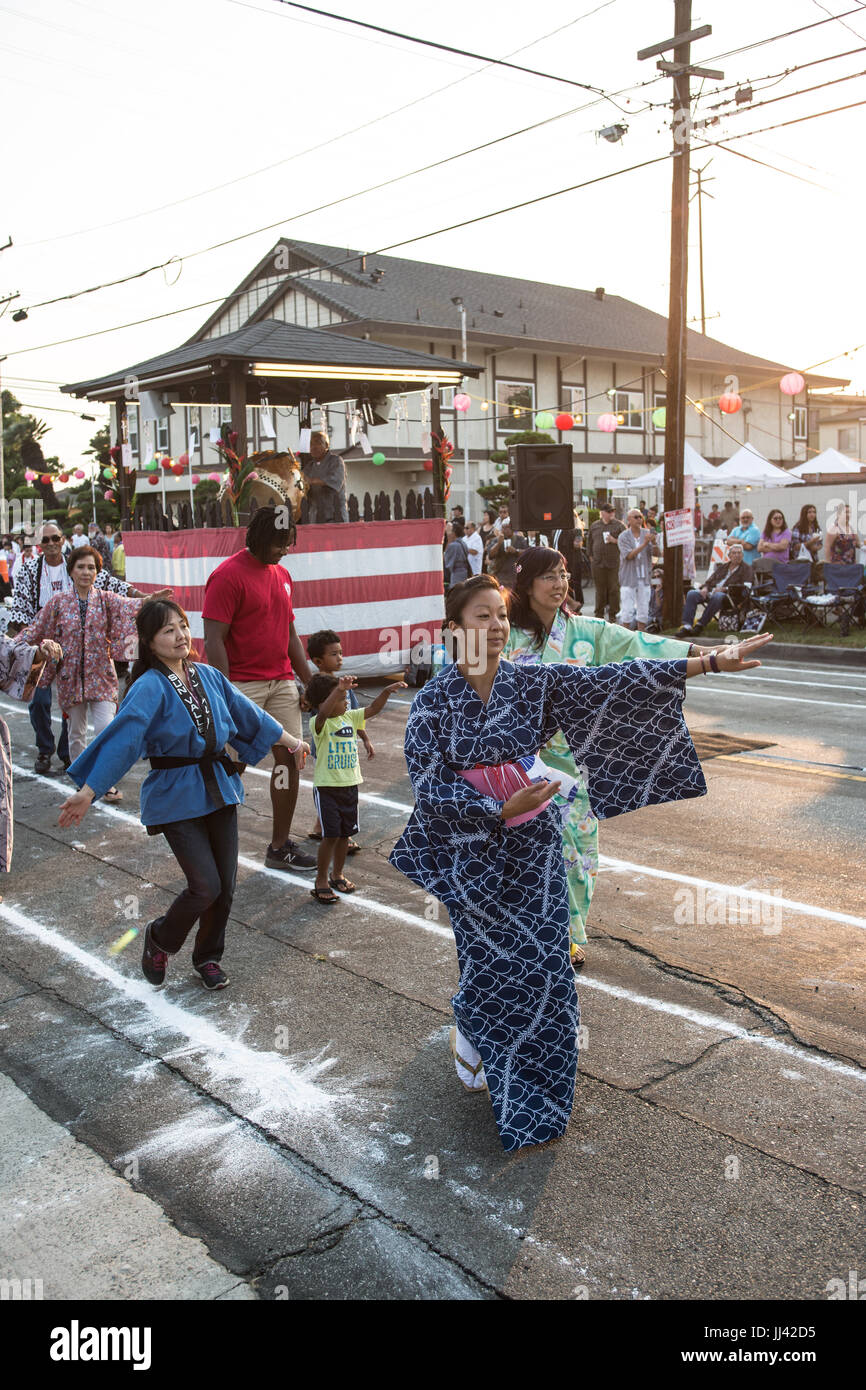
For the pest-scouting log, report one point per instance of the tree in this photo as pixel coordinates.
(22, 450)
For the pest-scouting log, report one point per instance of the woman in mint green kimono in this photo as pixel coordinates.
(542, 631)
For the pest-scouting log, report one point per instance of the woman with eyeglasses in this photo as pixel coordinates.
(544, 631)
(775, 543)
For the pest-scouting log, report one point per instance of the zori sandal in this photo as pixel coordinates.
(476, 1072)
(322, 897)
(342, 885)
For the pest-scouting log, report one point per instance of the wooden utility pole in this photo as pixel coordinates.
(699, 194)
(675, 365)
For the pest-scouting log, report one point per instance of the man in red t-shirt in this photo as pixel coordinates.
(249, 634)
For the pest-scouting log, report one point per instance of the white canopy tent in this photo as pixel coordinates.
(693, 464)
(748, 468)
(829, 461)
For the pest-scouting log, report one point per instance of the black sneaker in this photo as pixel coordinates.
(289, 857)
(153, 960)
(43, 764)
(212, 976)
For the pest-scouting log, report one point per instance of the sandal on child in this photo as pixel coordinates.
(322, 897)
(342, 885)
(352, 847)
(313, 835)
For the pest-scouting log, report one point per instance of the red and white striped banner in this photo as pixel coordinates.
(376, 583)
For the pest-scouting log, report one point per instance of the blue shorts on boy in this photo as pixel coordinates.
(337, 774)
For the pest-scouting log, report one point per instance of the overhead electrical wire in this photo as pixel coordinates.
(819, 6)
(347, 260)
(312, 149)
(744, 107)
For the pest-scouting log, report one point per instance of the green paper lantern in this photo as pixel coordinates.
(659, 417)
(544, 420)
(108, 473)
(151, 466)
(378, 459)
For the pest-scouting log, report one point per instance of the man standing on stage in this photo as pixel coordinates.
(325, 475)
(250, 636)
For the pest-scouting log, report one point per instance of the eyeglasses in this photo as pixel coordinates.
(554, 576)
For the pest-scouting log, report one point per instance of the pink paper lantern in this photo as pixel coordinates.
(214, 477)
(195, 480)
(184, 460)
(792, 384)
(462, 402)
(29, 475)
(108, 495)
(79, 472)
(608, 423)
(730, 403)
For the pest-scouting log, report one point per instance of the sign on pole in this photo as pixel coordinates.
(679, 527)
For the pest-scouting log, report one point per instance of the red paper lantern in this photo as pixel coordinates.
(183, 460)
(64, 477)
(178, 469)
(792, 384)
(730, 402)
(564, 421)
(45, 479)
(152, 479)
(428, 465)
(167, 463)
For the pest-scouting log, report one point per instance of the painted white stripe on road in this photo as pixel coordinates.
(620, 865)
(822, 670)
(777, 680)
(787, 699)
(728, 891)
(276, 1085)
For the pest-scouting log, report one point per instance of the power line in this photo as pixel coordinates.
(781, 125)
(393, 246)
(312, 149)
(770, 77)
(775, 38)
(787, 96)
(842, 22)
(445, 47)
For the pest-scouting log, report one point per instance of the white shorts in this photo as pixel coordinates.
(634, 603)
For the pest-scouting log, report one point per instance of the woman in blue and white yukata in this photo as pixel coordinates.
(181, 716)
(504, 884)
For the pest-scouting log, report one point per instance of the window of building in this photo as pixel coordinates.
(162, 436)
(574, 403)
(628, 408)
(660, 402)
(515, 406)
(801, 422)
(848, 440)
(446, 397)
(132, 429)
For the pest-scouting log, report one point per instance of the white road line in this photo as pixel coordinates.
(729, 891)
(787, 699)
(721, 1025)
(644, 1001)
(621, 865)
(267, 1076)
(777, 680)
(822, 670)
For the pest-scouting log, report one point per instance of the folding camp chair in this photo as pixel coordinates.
(843, 600)
(790, 583)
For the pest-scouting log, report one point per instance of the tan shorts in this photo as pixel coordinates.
(280, 699)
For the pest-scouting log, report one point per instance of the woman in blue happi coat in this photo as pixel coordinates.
(181, 716)
(504, 885)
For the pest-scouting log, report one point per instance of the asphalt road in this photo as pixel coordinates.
(306, 1125)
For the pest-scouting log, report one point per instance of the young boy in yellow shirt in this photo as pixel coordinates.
(337, 775)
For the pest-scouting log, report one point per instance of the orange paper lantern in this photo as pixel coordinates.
(730, 402)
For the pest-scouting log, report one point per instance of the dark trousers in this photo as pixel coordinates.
(712, 605)
(606, 591)
(40, 717)
(206, 848)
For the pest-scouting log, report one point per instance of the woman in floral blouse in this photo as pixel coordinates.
(86, 622)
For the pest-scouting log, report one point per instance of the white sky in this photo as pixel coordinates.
(112, 110)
